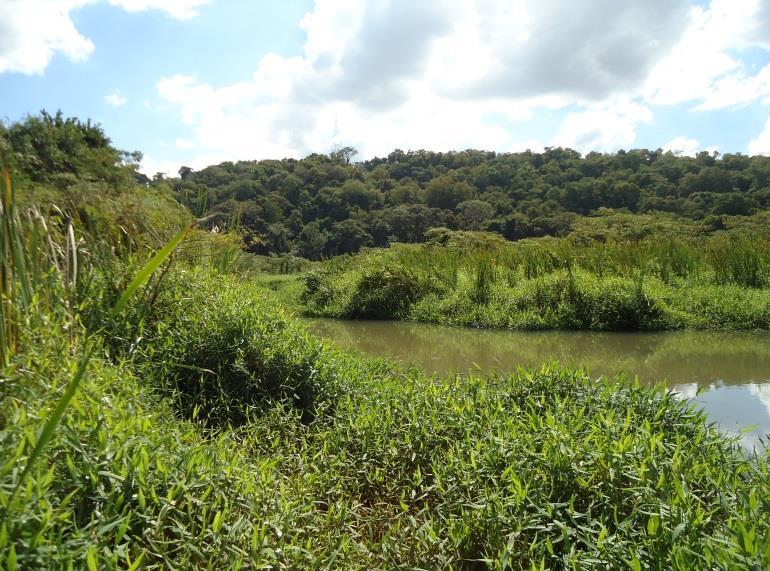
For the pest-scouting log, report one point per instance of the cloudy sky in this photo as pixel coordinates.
(196, 82)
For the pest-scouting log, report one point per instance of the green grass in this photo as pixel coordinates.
(190, 423)
(394, 470)
(556, 284)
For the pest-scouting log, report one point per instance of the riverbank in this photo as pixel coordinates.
(552, 285)
(232, 436)
(727, 373)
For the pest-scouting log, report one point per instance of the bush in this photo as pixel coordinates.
(387, 292)
(225, 355)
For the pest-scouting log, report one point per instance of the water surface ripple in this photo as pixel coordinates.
(728, 373)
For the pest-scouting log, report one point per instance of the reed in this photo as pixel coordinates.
(38, 278)
(669, 284)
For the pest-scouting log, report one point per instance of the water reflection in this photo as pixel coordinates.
(728, 373)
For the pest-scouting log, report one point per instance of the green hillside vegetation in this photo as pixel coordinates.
(322, 206)
(179, 418)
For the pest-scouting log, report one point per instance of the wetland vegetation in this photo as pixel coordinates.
(718, 282)
(160, 410)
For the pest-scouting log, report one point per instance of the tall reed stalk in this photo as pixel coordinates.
(34, 274)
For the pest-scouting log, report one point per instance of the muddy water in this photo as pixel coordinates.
(728, 373)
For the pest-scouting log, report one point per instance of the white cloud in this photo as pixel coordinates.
(462, 73)
(588, 50)
(179, 9)
(603, 127)
(761, 145)
(688, 147)
(115, 99)
(185, 144)
(703, 66)
(737, 89)
(150, 166)
(762, 392)
(33, 31)
(438, 75)
(683, 146)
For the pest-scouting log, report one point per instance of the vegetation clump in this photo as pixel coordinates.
(224, 355)
(157, 412)
(561, 284)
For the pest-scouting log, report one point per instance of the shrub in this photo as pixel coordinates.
(224, 355)
(387, 292)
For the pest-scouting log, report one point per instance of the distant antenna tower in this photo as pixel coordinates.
(335, 138)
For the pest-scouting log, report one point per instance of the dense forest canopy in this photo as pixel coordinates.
(322, 205)
(325, 205)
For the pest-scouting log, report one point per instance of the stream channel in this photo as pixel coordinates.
(727, 373)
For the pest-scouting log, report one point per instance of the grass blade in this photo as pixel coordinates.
(53, 422)
(144, 274)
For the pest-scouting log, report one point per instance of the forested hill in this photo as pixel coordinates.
(322, 205)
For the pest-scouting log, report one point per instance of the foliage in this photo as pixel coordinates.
(537, 469)
(57, 150)
(559, 284)
(223, 355)
(210, 431)
(324, 206)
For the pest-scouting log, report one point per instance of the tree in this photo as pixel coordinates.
(405, 192)
(278, 238)
(347, 237)
(356, 193)
(474, 213)
(312, 241)
(343, 155)
(45, 146)
(185, 172)
(447, 192)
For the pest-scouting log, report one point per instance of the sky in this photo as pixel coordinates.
(197, 82)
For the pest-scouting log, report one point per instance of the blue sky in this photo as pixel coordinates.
(200, 81)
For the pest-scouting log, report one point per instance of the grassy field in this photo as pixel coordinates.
(720, 283)
(158, 413)
(232, 439)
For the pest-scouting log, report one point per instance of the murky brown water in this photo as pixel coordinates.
(728, 373)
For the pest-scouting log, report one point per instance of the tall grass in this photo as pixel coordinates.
(38, 279)
(740, 260)
(648, 284)
(37, 274)
(484, 278)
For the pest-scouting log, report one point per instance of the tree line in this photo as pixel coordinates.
(322, 206)
(325, 205)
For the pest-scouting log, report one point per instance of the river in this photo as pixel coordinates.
(727, 373)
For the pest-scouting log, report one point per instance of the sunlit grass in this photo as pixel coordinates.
(558, 284)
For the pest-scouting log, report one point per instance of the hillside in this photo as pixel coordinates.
(159, 409)
(322, 206)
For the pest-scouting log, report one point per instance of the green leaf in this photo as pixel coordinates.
(144, 274)
(91, 559)
(652, 525)
(11, 561)
(135, 565)
(53, 422)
